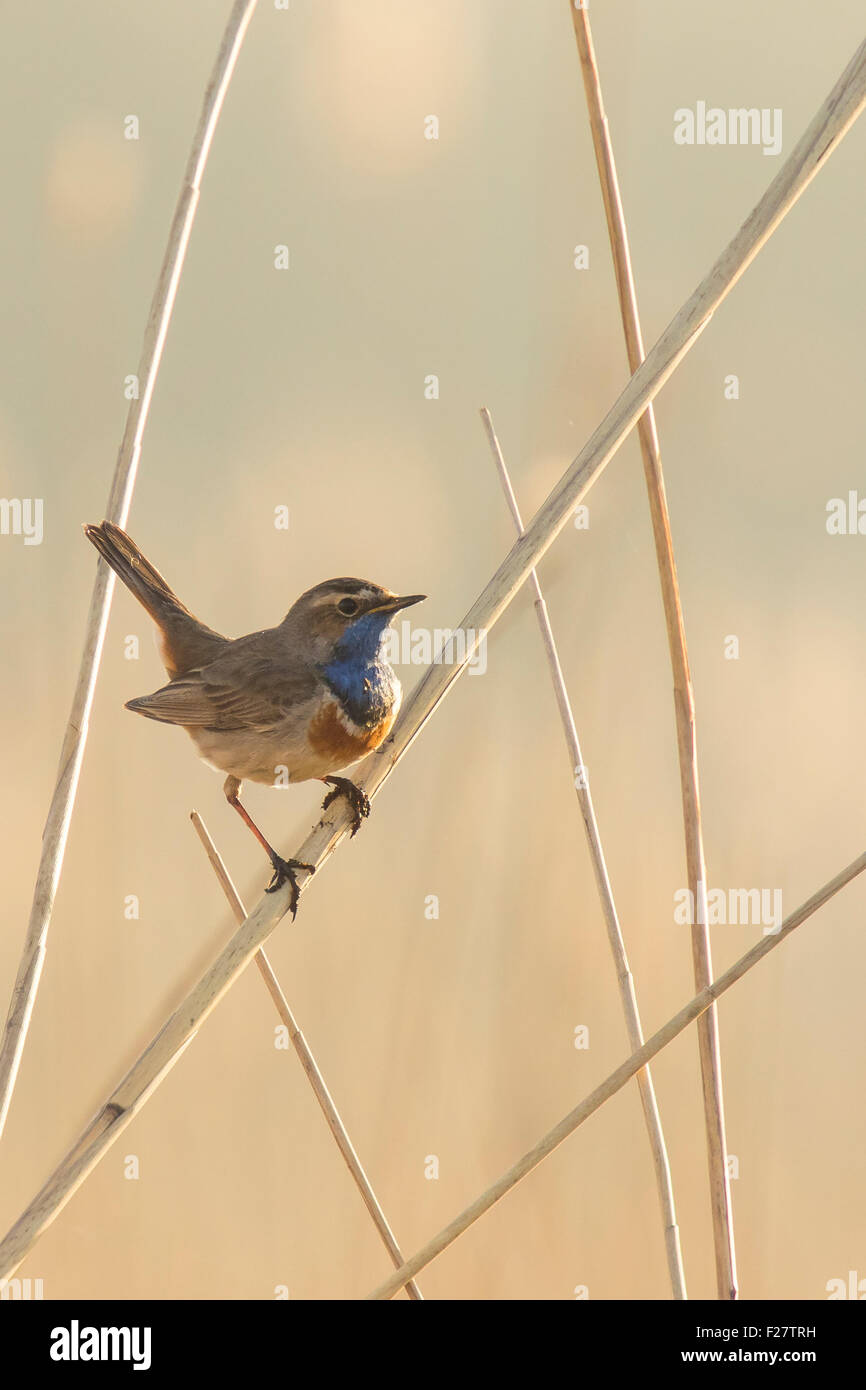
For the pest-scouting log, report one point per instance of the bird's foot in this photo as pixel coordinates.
(284, 872)
(357, 798)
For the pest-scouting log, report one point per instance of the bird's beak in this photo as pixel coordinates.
(393, 605)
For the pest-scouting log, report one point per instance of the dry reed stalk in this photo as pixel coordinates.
(684, 703)
(56, 831)
(823, 135)
(624, 977)
(615, 1082)
(308, 1061)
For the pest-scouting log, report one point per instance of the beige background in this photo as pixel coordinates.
(409, 257)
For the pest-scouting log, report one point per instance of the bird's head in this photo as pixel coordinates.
(345, 616)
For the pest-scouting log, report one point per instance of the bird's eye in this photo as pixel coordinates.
(348, 607)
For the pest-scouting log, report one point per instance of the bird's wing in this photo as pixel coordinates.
(183, 701)
(253, 686)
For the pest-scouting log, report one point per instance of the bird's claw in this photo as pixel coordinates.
(284, 872)
(359, 801)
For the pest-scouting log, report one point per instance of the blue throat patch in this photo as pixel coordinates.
(358, 672)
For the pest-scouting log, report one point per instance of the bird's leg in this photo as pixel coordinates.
(284, 869)
(357, 798)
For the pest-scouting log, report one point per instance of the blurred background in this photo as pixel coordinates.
(305, 388)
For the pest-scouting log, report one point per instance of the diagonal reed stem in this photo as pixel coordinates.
(308, 1061)
(56, 831)
(615, 1082)
(684, 704)
(624, 977)
(837, 113)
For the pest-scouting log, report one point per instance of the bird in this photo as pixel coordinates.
(304, 699)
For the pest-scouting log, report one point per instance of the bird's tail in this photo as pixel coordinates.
(137, 573)
(184, 643)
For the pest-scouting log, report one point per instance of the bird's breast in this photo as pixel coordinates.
(334, 735)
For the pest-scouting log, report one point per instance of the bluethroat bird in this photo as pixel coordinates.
(311, 695)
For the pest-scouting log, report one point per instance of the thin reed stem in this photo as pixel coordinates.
(684, 703)
(613, 1083)
(624, 977)
(59, 817)
(308, 1061)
